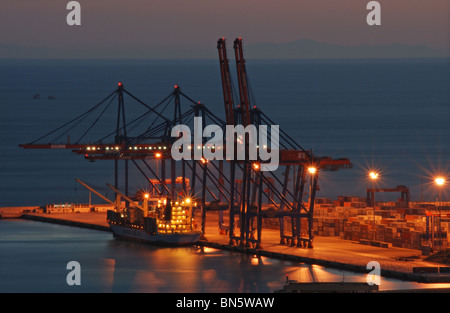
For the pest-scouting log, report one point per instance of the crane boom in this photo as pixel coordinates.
(242, 79)
(125, 197)
(94, 191)
(226, 81)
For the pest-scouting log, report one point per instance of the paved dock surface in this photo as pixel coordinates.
(328, 251)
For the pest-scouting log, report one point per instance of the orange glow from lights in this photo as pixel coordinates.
(440, 181)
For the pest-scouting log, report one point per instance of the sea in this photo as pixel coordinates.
(390, 115)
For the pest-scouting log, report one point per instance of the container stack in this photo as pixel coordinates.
(351, 219)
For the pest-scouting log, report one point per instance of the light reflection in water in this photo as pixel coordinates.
(34, 257)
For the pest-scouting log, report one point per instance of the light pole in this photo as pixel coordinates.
(440, 181)
(373, 176)
(312, 170)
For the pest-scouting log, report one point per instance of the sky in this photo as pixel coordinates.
(133, 27)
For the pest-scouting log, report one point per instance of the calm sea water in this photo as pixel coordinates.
(388, 114)
(392, 115)
(34, 258)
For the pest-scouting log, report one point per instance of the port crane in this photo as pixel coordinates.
(289, 203)
(404, 194)
(236, 187)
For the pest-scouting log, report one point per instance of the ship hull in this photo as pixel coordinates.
(176, 239)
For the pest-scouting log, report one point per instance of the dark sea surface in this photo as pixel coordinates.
(391, 115)
(34, 258)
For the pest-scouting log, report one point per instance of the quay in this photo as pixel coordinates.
(334, 252)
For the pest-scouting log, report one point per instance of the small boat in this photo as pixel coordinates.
(160, 221)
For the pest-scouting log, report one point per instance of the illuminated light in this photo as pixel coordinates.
(119, 84)
(203, 160)
(255, 166)
(312, 170)
(440, 181)
(373, 175)
(188, 200)
(176, 86)
(88, 148)
(146, 196)
(158, 155)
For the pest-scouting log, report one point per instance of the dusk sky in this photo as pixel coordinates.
(195, 25)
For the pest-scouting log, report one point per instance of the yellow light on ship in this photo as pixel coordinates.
(439, 181)
(157, 155)
(188, 200)
(255, 166)
(312, 170)
(146, 196)
(373, 175)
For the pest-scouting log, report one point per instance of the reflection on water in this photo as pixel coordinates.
(34, 255)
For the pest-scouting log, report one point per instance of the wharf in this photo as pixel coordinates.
(399, 263)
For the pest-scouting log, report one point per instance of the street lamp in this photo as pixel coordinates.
(312, 170)
(373, 176)
(440, 181)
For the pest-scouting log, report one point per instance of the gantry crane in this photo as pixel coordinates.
(255, 183)
(209, 182)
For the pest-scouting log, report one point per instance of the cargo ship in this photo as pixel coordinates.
(160, 221)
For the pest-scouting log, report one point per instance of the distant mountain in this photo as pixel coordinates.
(305, 49)
(300, 49)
